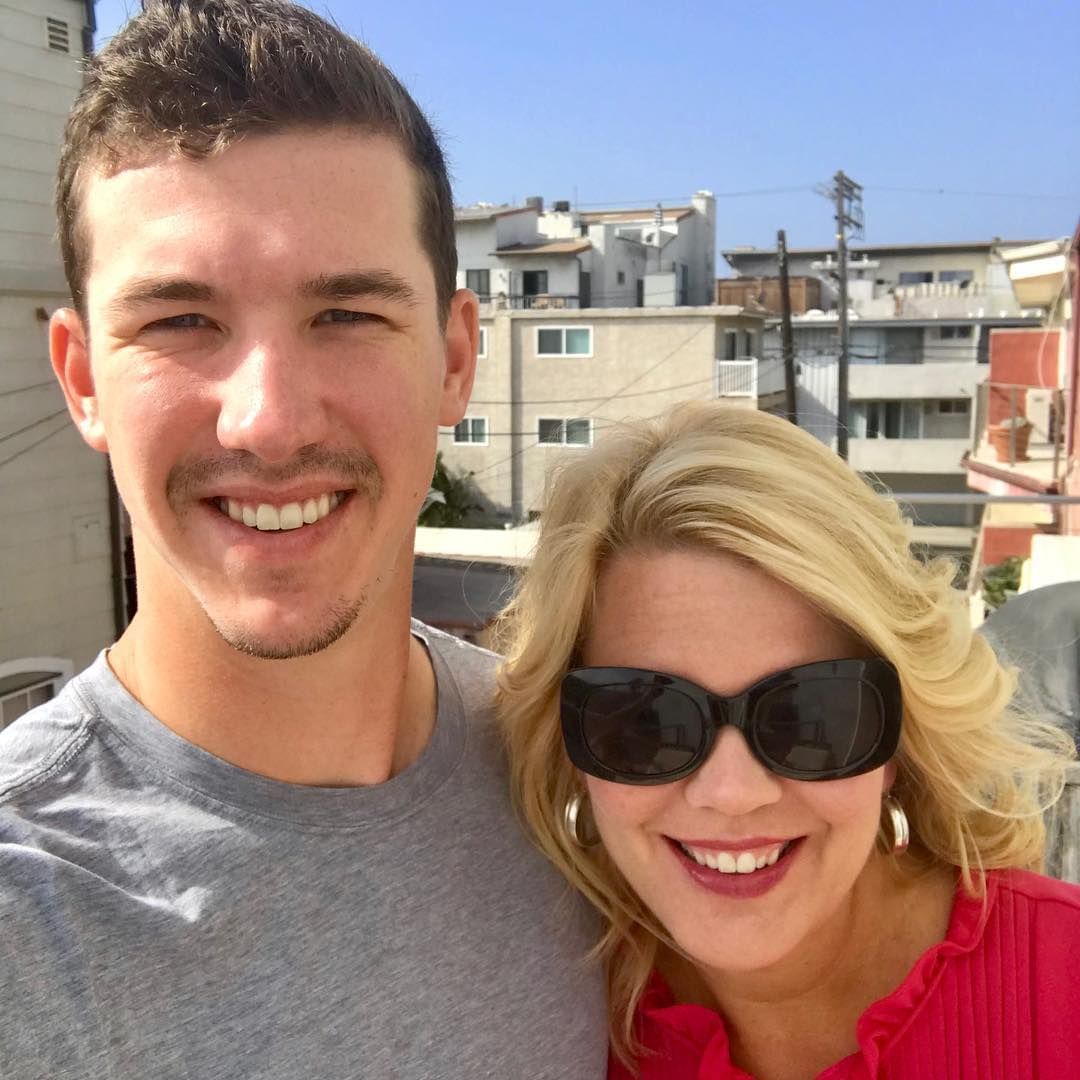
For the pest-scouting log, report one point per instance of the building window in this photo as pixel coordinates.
(472, 431)
(915, 277)
(25, 684)
(886, 419)
(564, 341)
(481, 349)
(964, 277)
(620, 277)
(954, 406)
(948, 333)
(480, 283)
(56, 33)
(565, 432)
(731, 344)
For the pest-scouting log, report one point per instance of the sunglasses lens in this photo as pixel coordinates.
(819, 726)
(642, 730)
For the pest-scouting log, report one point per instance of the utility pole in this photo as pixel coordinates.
(847, 196)
(785, 330)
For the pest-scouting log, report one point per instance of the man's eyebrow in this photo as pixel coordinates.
(354, 284)
(150, 290)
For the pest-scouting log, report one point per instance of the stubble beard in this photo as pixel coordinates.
(340, 619)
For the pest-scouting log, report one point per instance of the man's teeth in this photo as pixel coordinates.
(292, 515)
(736, 862)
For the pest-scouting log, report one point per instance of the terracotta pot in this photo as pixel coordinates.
(998, 436)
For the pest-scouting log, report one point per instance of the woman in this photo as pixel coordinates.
(763, 740)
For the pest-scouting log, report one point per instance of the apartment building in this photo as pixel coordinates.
(921, 318)
(57, 534)
(1028, 421)
(529, 257)
(549, 381)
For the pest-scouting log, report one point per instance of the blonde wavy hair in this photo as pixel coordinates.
(973, 773)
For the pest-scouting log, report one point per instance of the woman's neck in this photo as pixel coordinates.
(797, 1017)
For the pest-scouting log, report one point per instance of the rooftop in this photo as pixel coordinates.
(869, 249)
(487, 212)
(546, 247)
(597, 217)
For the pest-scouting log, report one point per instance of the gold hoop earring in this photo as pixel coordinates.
(895, 827)
(571, 820)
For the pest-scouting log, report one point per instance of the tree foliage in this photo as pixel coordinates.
(460, 493)
(1001, 580)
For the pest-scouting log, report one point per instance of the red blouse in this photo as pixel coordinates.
(998, 999)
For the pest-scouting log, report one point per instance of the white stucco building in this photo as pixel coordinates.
(57, 600)
(920, 318)
(529, 257)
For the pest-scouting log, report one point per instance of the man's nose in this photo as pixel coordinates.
(732, 780)
(271, 403)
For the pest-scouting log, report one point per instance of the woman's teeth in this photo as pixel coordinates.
(736, 862)
(292, 515)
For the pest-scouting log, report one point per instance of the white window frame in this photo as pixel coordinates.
(564, 327)
(482, 344)
(60, 670)
(563, 421)
(966, 411)
(470, 441)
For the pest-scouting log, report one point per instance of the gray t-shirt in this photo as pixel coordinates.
(165, 914)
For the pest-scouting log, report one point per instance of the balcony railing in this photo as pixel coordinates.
(749, 377)
(1021, 428)
(537, 301)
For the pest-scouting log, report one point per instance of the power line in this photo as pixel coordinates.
(33, 445)
(23, 389)
(975, 194)
(36, 423)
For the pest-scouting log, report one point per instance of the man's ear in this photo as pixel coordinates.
(461, 341)
(70, 355)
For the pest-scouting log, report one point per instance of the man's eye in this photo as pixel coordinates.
(340, 315)
(191, 321)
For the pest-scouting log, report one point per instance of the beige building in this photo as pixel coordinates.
(57, 605)
(550, 381)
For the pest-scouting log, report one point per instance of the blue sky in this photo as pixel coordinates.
(970, 108)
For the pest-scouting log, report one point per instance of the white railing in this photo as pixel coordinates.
(737, 378)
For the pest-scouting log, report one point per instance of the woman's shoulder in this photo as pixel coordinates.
(1047, 899)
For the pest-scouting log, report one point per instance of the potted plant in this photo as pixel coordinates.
(1016, 428)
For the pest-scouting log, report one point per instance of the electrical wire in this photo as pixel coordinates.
(23, 389)
(33, 445)
(36, 423)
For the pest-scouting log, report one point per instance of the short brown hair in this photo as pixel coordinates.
(193, 75)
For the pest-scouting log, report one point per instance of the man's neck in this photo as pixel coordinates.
(354, 714)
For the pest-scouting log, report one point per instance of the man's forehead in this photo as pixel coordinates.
(307, 204)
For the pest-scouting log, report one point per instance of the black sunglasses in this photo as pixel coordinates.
(820, 721)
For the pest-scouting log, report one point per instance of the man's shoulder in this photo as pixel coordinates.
(39, 746)
(471, 667)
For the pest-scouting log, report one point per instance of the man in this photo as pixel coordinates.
(267, 835)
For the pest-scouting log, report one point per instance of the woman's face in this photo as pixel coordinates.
(725, 625)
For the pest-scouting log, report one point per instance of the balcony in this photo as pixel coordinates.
(952, 300)
(907, 455)
(1019, 445)
(530, 301)
(749, 378)
(951, 379)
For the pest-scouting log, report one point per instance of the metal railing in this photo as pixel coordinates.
(1014, 418)
(737, 378)
(537, 301)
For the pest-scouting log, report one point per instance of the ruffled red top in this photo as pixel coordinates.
(997, 999)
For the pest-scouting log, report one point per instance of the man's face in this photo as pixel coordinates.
(264, 345)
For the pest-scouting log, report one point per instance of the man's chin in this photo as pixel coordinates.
(278, 643)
